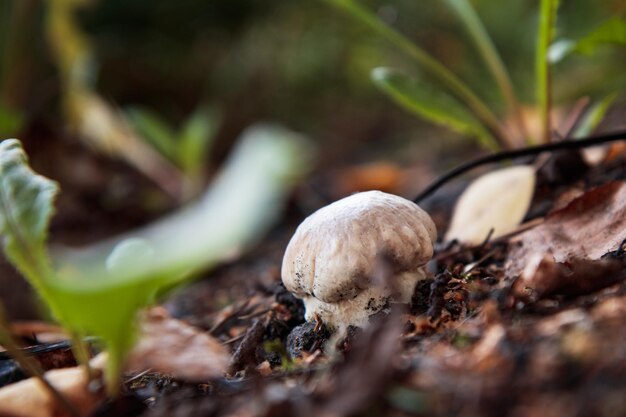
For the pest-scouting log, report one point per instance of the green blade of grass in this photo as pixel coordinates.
(547, 22)
(430, 64)
(479, 35)
(431, 103)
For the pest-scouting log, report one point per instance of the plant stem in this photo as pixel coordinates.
(29, 365)
(489, 53)
(567, 143)
(547, 21)
(81, 353)
(434, 67)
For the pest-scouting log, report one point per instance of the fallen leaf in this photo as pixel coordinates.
(245, 354)
(29, 398)
(498, 200)
(587, 228)
(174, 347)
(543, 276)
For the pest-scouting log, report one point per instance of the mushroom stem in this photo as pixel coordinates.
(368, 302)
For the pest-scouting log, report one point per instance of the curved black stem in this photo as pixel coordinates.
(568, 143)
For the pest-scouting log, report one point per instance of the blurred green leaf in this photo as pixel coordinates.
(25, 210)
(434, 68)
(547, 23)
(102, 286)
(479, 35)
(97, 290)
(195, 139)
(11, 121)
(611, 32)
(155, 130)
(427, 101)
(594, 116)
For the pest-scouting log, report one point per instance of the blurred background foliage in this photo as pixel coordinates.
(300, 63)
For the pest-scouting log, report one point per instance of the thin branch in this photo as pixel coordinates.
(568, 143)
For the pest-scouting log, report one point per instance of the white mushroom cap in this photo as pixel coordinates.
(332, 257)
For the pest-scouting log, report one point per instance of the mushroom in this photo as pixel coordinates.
(331, 260)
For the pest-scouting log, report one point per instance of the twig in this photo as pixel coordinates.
(136, 377)
(81, 353)
(471, 266)
(234, 339)
(455, 251)
(517, 153)
(227, 317)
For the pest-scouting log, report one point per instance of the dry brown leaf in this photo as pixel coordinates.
(543, 276)
(29, 398)
(586, 228)
(171, 346)
(498, 200)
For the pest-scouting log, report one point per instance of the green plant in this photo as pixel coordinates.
(186, 147)
(97, 290)
(445, 99)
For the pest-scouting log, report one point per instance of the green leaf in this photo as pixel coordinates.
(154, 130)
(432, 104)
(547, 23)
(196, 138)
(434, 68)
(102, 286)
(611, 32)
(479, 35)
(97, 290)
(25, 208)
